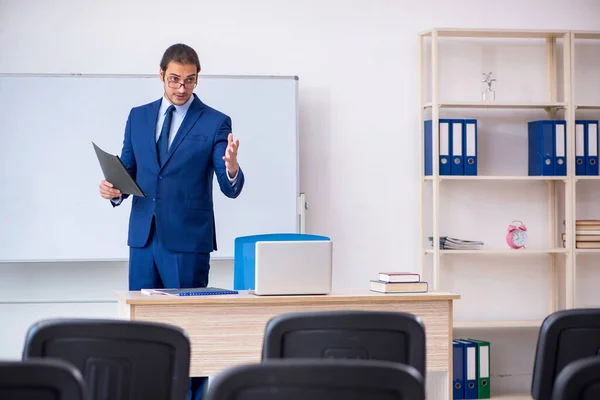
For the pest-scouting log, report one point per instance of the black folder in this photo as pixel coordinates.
(115, 172)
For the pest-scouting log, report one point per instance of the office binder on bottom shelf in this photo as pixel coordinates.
(458, 373)
(207, 291)
(469, 368)
(483, 368)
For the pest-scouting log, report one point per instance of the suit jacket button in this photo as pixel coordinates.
(154, 199)
(160, 177)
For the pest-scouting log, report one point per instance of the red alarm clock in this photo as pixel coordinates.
(516, 236)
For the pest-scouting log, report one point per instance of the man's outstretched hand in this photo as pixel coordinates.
(230, 156)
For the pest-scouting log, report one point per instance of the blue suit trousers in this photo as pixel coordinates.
(155, 267)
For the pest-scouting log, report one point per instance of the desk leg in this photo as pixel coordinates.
(436, 385)
(125, 311)
(449, 384)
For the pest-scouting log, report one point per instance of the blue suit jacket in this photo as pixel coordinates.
(180, 193)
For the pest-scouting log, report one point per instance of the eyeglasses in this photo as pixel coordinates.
(175, 83)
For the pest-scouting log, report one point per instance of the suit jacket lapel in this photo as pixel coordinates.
(152, 118)
(194, 112)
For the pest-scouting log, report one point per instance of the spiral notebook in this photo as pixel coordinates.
(207, 291)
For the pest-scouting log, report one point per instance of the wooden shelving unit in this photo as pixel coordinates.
(550, 106)
(436, 106)
(568, 105)
(560, 103)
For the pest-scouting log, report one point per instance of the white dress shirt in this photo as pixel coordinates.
(178, 116)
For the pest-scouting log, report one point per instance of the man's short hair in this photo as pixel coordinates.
(182, 54)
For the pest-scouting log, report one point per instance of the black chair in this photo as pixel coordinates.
(580, 380)
(565, 336)
(119, 359)
(373, 335)
(40, 380)
(301, 379)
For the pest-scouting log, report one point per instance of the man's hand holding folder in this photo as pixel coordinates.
(108, 191)
(116, 178)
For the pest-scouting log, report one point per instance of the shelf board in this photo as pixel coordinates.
(497, 104)
(587, 107)
(512, 396)
(527, 323)
(588, 251)
(493, 33)
(496, 178)
(501, 252)
(587, 177)
(586, 34)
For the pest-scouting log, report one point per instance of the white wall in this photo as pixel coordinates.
(357, 63)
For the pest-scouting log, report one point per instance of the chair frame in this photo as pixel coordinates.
(48, 329)
(49, 373)
(547, 344)
(411, 324)
(364, 375)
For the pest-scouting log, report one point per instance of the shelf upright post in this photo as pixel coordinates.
(552, 192)
(435, 110)
(571, 187)
(421, 130)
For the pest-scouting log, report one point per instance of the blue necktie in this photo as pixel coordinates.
(163, 140)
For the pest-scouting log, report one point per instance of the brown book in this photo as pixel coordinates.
(587, 245)
(584, 238)
(587, 222)
(584, 228)
(582, 222)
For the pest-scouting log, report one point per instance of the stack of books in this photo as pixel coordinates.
(587, 234)
(450, 243)
(398, 282)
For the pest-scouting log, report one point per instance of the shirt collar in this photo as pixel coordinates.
(182, 109)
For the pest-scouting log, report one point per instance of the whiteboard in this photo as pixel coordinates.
(50, 207)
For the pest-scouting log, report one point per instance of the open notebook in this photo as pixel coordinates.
(207, 291)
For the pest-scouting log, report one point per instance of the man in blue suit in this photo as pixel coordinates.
(172, 147)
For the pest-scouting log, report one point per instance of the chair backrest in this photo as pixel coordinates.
(565, 336)
(300, 379)
(580, 380)
(40, 379)
(375, 335)
(244, 258)
(119, 359)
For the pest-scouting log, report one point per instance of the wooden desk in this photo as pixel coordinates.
(227, 330)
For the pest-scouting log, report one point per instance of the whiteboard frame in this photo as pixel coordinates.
(301, 204)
